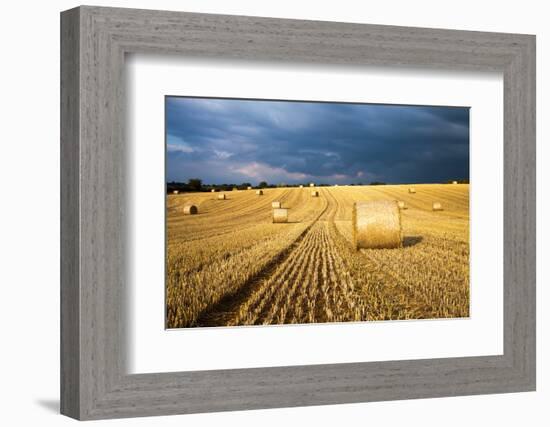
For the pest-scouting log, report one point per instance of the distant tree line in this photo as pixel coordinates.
(196, 185)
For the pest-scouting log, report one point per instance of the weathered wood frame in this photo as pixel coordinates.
(94, 41)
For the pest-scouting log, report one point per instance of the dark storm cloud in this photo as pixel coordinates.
(235, 141)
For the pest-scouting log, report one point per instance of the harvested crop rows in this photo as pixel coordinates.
(230, 265)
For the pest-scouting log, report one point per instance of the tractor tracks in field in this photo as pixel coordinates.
(308, 282)
(224, 310)
(313, 285)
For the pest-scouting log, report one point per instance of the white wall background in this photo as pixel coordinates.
(29, 214)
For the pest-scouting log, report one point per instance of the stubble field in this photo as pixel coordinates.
(230, 265)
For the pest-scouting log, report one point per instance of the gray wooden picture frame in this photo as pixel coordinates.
(94, 381)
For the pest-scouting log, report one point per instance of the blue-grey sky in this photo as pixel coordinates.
(235, 141)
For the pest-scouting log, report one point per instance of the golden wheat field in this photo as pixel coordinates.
(231, 265)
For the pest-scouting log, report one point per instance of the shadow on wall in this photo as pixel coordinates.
(51, 405)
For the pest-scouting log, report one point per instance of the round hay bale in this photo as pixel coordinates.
(455, 182)
(259, 192)
(190, 210)
(377, 225)
(175, 192)
(249, 188)
(314, 193)
(436, 206)
(280, 215)
(311, 184)
(276, 205)
(412, 190)
(301, 186)
(401, 204)
(221, 196)
(235, 189)
(213, 190)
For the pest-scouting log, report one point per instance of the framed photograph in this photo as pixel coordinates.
(269, 221)
(262, 213)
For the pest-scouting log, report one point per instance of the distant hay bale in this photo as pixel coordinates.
(301, 186)
(175, 192)
(436, 206)
(249, 188)
(275, 205)
(213, 190)
(455, 182)
(311, 184)
(259, 192)
(412, 190)
(235, 189)
(376, 225)
(280, 215)
(314, 193)
(401, 204)
(221, 196)
(190, 210)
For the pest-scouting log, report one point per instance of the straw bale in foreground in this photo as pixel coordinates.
(376, 225)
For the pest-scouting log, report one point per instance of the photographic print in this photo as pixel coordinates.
(298, 212)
